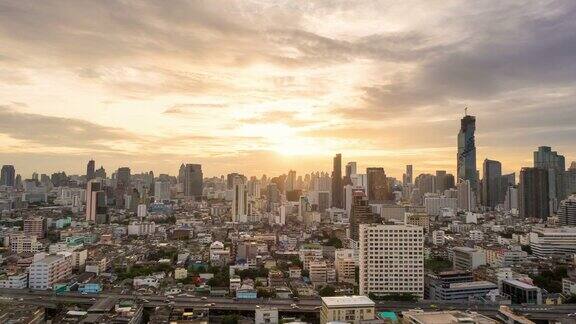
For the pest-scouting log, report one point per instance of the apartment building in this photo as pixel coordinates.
(391, 259)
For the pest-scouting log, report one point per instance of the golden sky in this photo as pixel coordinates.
(267, 86)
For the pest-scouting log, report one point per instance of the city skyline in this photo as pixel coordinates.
(250, 86)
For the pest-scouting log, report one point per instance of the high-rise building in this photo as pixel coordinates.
(51, 269)
(123, 177)
(161, 191)
(100, 173)
(8, 176)
(377, 185)
(193, 180)
(408, 177)
(466, 199)
(361, 213)
(96, 208)
(491, 183)
(441, 181)
(351, 169)
(90, 169)
(337, 187)
(391, 259)
(567, 211)
(534, 201)
(466, 157)
(239, 200)
(35, 226)
(571, 179)
(290, 181)
(555, 163)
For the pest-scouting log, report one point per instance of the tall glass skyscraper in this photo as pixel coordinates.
(467, 152)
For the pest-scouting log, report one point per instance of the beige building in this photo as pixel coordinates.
(317, 272)
(345, 263)
(421, 317)
(418, 219)
(350, 309)
(391, 259)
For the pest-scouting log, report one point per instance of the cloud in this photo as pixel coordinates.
(183, 109)
(57, 132)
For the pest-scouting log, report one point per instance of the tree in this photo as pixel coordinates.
(437, 264)
(335, 242)
(230, 319)
(327, 291)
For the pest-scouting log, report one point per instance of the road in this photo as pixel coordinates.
(49, 299)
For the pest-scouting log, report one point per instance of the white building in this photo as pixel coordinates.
(141, 228)
(466, 258)
(434, 205)
(391, 259)
(347, 309)
(553, 241)
(239, 200)
(438, 237)
(46, 270)
(14, 281)
(142, 210)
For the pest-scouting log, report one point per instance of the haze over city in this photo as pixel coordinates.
(287, 162)
(262, 87)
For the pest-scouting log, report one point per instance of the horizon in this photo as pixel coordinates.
(258, 89)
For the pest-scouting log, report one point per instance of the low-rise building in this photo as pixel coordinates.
(520, 292)
(349, 309)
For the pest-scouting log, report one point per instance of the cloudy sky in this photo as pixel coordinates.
(264, 86)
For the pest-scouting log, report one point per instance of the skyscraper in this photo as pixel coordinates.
(337, 187)
(90, 170)
(491, 183)
(95, 202)
(360, 213)
(441, 181)
(533, 193)
(193, 180)
(350, 169)
(466, 158)
(239, 200)
(408, 177)
(377, 185)
(550, 160)
(8, 176)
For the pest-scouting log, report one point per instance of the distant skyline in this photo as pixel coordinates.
(263, 87)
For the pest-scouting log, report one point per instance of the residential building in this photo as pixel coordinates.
(534, 199)
(47, 270)
(266, 315)
(567, 211)
(35, 226)
(546, 242)
(391, 259)
(337, 185)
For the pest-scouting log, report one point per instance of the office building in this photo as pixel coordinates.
(456, 286)
(361, 213)
(567, 211)
(534, 199)
(193, 180)
(8, 176)
(511, 199)
(377, 185)
(466, 258)
(466, 158)
(466, 197)
(441, 181)
(44, 272)
(391, 259)
(161, 191)
(571, 179)
(491, 183)
(520, 292)
(90, 170)
(351, 169)
(96, 207)
(337, 186)
(555, 164)
(434, 205)
(547, 242)
(347, 309)
(407, 178)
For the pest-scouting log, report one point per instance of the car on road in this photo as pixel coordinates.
(294, 306)
(145, 301)
(204, 298)
(92, 299)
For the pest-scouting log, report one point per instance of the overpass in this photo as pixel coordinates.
(51, 300)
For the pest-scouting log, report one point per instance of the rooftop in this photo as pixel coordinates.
(347, 301)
